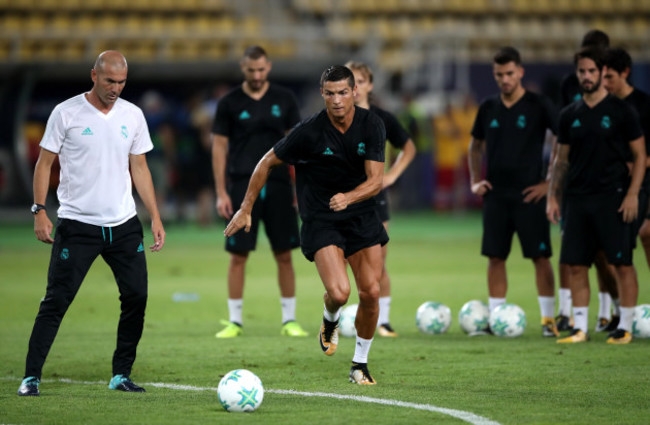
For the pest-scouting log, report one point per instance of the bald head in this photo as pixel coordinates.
(112, 59)
(109, 78)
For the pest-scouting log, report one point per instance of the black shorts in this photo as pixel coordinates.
(275, 207)
(382, 206)
(593, 223)
(505, 214)
(351, 235)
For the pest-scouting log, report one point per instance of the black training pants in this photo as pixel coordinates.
(76, 246)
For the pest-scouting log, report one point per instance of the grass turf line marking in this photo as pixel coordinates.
(459, 414)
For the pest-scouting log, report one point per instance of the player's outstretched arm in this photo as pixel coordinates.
(367, 189)
(144, 185)
(242, 218)
(42, 223)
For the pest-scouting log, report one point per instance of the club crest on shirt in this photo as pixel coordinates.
(275, 111)
(605, 122)
(521, 121)
(361, 149)
(124, 132)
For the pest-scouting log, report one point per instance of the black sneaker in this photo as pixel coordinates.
(563, 323)
(359, 374)
(619, 336)
(328, 337)
(29, 386)
(124, 383)
(613, 324)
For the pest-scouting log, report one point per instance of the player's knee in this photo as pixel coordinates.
(56, 304)
(238, 260)
(369, 294)
(644, 234)
(339, 296)
(283, 258)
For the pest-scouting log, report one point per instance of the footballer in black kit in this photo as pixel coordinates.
(338, 154)
(597, 180)
(514, 143)
(328, 162)
(259, 125)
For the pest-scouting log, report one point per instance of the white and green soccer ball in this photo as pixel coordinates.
(433, 318)
(508, 320)
(474, 317)
(240, 390)
(641, 324)
(346, 321)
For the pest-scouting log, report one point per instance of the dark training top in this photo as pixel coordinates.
(253, 127)
(598, 140)
(515, 140)
(395, 133)
(329, 162)
(640, 101)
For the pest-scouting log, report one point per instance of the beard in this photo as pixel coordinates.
(592, 89)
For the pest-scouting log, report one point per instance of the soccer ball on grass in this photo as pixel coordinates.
(508, 320)
(433, 318)
(641, 324)
(474, 317)
(240, 390)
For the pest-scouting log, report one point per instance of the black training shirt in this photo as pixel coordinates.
(640, 101)
(253, 127)
(598, 140)
(395, 133)
(329, 162)
(514, 140)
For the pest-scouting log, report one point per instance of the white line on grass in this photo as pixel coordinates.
(459, 414)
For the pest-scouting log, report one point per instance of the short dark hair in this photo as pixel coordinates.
(618, 59)
(254, 52)
(506, 55)
(596, 54)
(596, 38)
(337, 73)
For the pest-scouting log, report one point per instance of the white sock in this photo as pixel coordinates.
(605, 305)
(547, 306)
(581, 318)
(361, 350)
(627, 317)
(565, 302)
(616, 307)
(495, 302)
(384, 310)
(332, 317)
(235, 310)
(288, 309)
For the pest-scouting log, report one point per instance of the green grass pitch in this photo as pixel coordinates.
(526, 380)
